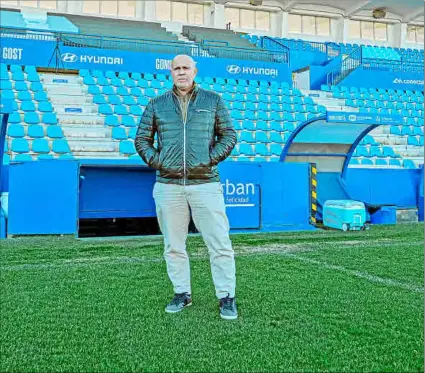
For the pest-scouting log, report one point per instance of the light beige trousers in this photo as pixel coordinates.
(206, 202)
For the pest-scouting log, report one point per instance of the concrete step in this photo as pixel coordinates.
(85, 145)
(95, 155)
(60, 79)
(85, 119)
(76, 108)
(74, 90)
(76, 133)
(64, 99)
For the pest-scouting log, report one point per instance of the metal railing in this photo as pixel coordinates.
(333, 50)
(348, 65)
(210, 49)
(276, 46)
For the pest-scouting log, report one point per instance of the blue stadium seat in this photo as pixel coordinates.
(246, 149)
(161, 77)
(31, 118)
(89, 80)
(362, 151)
(142, 83)
(118, 133)
(381, 162)
(247, 136)
(122, 91)
(149, 92)
(61, 146)
(136, 91)
(412, 140)
(102, 81)
(7, 94)
(277, 137)
(23, 158)
(262, 149)
(4, 75)
(367, 162)
(142, 100)
(276, 149)
(36, 87)
(54, 132)
(127, 147)
(40, 96)
(129, 100)
(114, 100)
(132, 133)
(121, 110)
(44, 157)
(21, 86)
(105, 109)
(18, 76)
(112, 121)
(354, 161)
(261, 136)
(94, 90)
(375, 151)
(97, 73)
(408, 163)
(35, 131)
(117, 82)
(27, 106)
(20, 146)
(16, 131)
(128, 121)
(395, 130)
(15, 118)
(45, 107)
(136, 110)
(50, 118)
(40, 146)
(276, 125)
(136, 76)
(248, 125)
(99, 99)
(83, 73)
(149, 77)
(395, 162)
(33, 77)
(23, 96)
(262, 125)
(110, 74)
(108, 90)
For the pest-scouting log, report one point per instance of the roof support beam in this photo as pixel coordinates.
(413, 15)
(358, 7)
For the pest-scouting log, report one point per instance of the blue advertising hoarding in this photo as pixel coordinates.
(39, 53)
(363, 118)
(364, 78)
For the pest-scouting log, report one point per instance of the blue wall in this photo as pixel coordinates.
(300, 59)
(318, 74)
(367, 78)
(398, 187)
(261, 196)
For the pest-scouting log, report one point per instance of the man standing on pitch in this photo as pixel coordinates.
(195, 133)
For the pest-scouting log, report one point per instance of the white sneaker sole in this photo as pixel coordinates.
(228, 317)
(181, 309)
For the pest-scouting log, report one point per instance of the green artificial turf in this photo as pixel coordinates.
(308, 302)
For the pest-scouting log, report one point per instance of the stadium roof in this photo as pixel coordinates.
(399, 10)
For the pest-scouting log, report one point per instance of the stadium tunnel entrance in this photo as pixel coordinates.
(328, 142)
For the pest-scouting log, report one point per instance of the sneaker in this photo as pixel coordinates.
(179, 302)
(228, 309)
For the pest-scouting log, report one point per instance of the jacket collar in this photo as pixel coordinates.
(194, 91)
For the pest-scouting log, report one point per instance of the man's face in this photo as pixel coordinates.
(183, 72)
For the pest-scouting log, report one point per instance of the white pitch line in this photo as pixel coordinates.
(364, 275)
(274, 249)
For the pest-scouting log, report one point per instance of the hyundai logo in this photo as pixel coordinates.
(352, 118)
(234, 69)
(69, 57)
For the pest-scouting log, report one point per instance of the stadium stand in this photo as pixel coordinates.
(36, 20)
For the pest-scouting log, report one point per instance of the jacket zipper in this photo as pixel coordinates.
(184, 118)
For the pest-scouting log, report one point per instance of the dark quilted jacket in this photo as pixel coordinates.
(187, 153)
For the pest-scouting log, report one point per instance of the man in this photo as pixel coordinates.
(194, 134)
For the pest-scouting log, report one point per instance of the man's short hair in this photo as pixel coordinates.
(193, 62)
